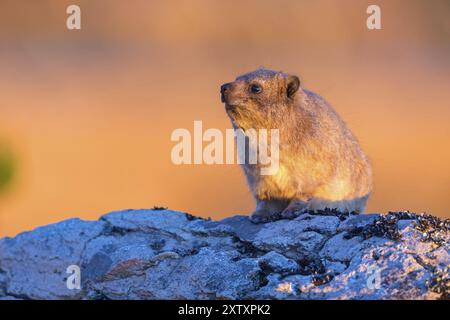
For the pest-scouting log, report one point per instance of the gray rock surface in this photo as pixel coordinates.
(164, 254)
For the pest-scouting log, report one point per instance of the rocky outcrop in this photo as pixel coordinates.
(164, 254)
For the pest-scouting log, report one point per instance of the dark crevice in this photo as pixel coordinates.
(112, 230)
(18, 296)
(247, 249)
(322, 279)
(310, 266)
(191, 217)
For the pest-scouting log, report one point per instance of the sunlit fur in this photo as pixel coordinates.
(321, 164)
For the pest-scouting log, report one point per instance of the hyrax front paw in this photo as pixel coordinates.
(262, 216)
(293, 210)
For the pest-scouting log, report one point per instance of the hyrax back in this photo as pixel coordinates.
(321, 164)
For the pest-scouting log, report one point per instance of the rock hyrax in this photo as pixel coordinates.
(321, 164)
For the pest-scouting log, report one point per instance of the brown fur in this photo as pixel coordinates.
(321, 164)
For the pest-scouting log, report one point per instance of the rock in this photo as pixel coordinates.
(164, 254)
(359, 221)
(338, 248)
(34, 263)
(278, 263)
(320, 224)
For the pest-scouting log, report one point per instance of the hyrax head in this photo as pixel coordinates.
(255, 97)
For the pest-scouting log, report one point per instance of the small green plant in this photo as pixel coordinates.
(6, 167)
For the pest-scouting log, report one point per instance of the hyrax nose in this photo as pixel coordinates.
(225, 87)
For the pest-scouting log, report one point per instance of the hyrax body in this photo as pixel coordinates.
(321, 164)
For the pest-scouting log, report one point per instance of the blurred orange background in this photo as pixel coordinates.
(88, 114)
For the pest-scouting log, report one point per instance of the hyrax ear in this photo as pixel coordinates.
(292, 85)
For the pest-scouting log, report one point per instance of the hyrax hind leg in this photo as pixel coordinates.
(268, 210)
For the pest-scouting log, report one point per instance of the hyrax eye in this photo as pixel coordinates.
(255, 88)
